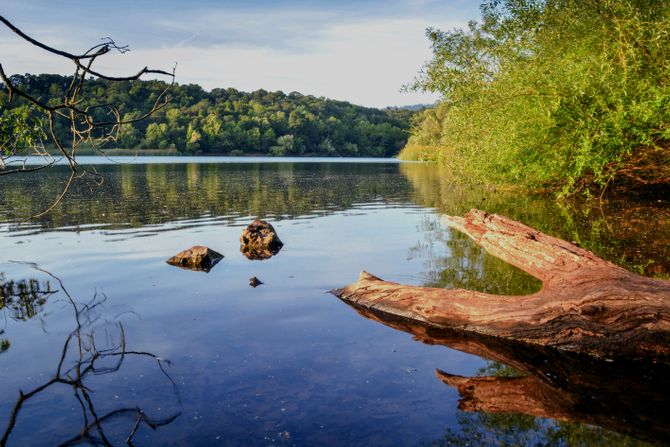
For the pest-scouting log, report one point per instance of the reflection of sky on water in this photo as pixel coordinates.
(283, 356)
(251, 364)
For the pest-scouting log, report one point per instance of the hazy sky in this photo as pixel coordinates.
(360, 51)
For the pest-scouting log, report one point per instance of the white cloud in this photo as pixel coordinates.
(365, 63)
(364, 60)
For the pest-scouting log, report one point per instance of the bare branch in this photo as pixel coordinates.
(83, 127)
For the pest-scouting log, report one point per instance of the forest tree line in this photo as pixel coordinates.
(226, 121)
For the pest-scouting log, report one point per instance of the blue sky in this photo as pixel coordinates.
(360, 51)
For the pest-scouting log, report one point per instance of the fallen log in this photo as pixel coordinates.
(586, 304)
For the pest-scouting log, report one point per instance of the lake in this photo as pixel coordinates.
(107, 341)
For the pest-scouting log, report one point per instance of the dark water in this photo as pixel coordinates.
(209, 360)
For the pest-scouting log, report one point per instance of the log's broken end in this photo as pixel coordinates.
(454, 222)
(452, 380)
(366, 276)
(364, 279)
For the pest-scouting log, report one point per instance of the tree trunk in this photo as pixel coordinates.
(586, 305)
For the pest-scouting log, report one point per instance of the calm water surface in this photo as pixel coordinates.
(212, 361)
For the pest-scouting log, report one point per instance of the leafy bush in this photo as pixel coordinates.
(563, 94)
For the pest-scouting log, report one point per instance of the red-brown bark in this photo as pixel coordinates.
(586, 304)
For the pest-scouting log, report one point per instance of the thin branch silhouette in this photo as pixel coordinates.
(72, 110)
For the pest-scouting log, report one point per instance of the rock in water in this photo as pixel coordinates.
(260, 241)
(196, 258)
(255, 282)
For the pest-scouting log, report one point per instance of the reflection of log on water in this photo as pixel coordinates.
(524, 395)
(587, 304)
(627, 397)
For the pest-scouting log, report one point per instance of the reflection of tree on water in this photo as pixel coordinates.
(452, 260)
(140, 195)
(485, 429)
(624, 230)
(21, 301)
(85, 356)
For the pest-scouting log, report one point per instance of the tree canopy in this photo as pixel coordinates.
(228, 121)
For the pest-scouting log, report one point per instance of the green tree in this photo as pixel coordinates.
(285, 145)
(156, 136)
(226, 120)
(552, 93)
(193, 138)
(129, 135)
(211, 127)
(19, 130)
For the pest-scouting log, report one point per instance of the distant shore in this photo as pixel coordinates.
(121, 152)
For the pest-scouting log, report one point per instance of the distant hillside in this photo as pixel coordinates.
(412, 107)
(228, 121)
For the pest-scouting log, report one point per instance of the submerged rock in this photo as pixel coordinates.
(260, 241)
(255, 282)
(196, 258)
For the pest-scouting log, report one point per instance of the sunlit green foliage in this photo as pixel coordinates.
(19, 130)
(552, 93)
(227, 121)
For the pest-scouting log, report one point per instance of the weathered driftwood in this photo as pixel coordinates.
(627, 397)
(586, 305)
